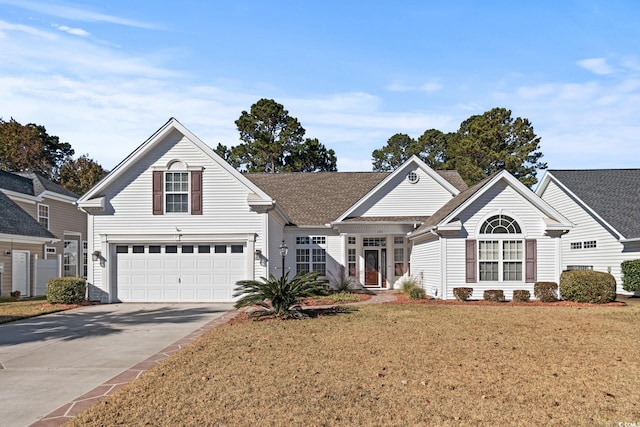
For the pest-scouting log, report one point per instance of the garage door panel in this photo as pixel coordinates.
(204, 279)
(175, 277)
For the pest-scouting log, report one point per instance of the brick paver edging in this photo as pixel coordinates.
(73, 408)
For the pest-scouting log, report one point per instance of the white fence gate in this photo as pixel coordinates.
(45, 269)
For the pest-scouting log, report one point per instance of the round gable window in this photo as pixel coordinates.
(412, 177)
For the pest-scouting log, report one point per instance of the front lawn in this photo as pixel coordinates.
(23, 309)
(398, 365)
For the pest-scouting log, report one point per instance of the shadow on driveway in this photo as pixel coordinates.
(102, 320)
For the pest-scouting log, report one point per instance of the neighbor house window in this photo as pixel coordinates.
(176, 191)
(70, 258)
(85, 258)
(500, 255)
(43, 215)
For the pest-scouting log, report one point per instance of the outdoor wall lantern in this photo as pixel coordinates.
(258, 255)
(95, 256)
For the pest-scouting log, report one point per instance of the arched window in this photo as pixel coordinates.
(500, 224)
(500, 252)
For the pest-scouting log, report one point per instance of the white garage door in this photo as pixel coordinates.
(179, 273)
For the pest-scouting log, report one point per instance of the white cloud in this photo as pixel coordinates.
(75, 13)
(6, 27)
(427, 87)
(73, 31)
(597, 66)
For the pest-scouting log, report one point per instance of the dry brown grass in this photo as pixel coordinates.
(398, 365)
(23, 309)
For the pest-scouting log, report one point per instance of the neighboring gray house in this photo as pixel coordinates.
(603, 206)
(175, 222)
(20, 237)
(54, 209)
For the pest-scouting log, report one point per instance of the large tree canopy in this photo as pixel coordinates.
(28, 148)
(484, 144)
(81, 174)
(273, 141)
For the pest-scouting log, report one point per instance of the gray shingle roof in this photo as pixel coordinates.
(16, 183)
(614, 194)
(42, 184)
(14, 220)
(320, 198)
(317, 198)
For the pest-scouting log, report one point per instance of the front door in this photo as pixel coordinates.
(371, 267)
(20, 272)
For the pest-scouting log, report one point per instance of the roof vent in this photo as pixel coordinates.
(413, 177)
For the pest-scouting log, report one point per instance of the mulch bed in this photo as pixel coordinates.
(311, 302)
(404, 299)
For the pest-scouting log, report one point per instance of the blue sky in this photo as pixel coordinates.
(104, 76)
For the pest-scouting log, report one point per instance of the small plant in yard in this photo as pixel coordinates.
(279, 295)
(546, 291)
(411, 286)
(496, 295)
(521, 295)
(344, 285)
(588, 286)
(462, 294)
(417, 293)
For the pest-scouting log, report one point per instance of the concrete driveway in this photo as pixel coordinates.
(48, 361)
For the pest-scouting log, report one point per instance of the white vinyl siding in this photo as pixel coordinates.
(608, 254)
(426, 264)
(129, 212)
(401, 198)
(501, 198)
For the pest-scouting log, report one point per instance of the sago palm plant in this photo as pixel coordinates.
(279, 295)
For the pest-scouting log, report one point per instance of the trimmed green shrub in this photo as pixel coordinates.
(588, 286)
(496, 295)
(631, 275)
(521, 295)
(546, 291)
(66, 290)
(416, 292)
(462, 294)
